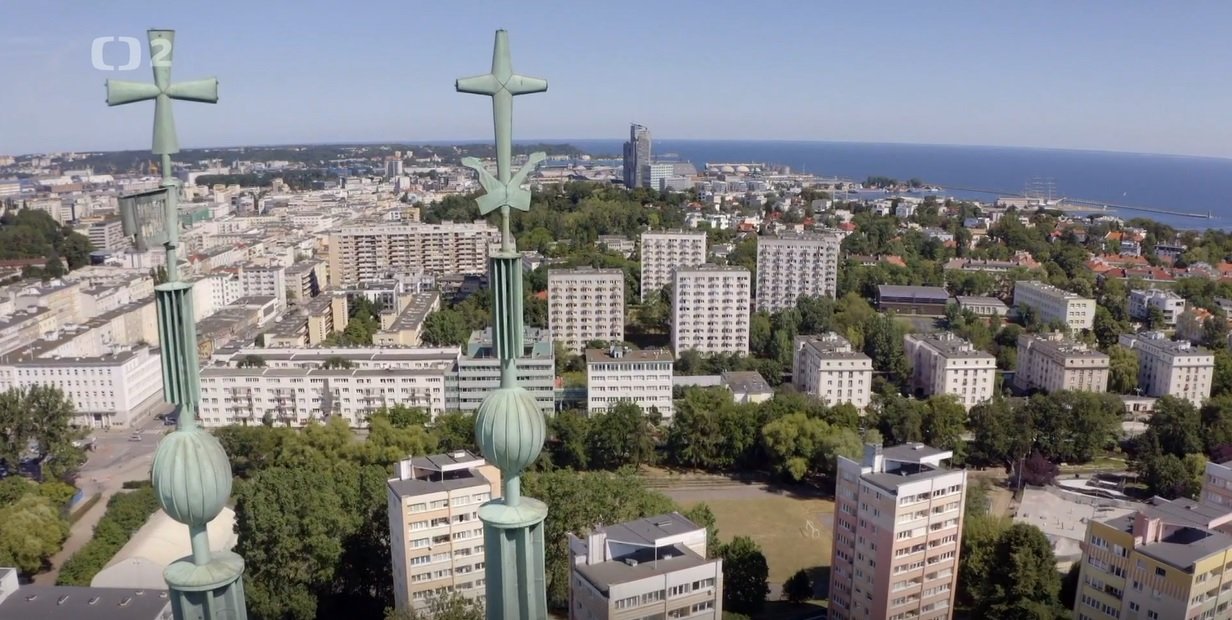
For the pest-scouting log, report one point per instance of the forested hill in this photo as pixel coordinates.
(27, 233)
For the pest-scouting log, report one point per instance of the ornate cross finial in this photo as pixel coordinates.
(162, 91)
(502, 84)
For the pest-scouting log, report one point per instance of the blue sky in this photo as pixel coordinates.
(1125, 76)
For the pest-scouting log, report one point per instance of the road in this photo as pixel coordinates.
(116, 459)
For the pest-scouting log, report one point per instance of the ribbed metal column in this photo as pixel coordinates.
(177, 333)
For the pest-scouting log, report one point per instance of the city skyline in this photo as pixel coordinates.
(886, 74)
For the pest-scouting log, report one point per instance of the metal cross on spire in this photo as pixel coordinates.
(141, 212)
(502, 85)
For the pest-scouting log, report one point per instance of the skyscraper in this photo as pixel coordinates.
(637, 155)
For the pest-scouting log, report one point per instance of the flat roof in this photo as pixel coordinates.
(81, 603)
(950, 345)
(929, 293)
(976, 300)
(460, 479)
(1189, 542)
(650, 561)
(628, 357)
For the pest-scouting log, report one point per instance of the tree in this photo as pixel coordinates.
(1038, 471)
(1022, 579)
(619, 437)
(337, 362)
(701, 514)
(33, 531)
(945, 421)
(454, 430)
(1177, 425)
(1221, 379)
(1122, 370)
(448, 606)
(745, 576)
(883, 341)
(402, 416)
(445, 328)
(35, 423)
(798, 588)
(979, 538)
(251, 361)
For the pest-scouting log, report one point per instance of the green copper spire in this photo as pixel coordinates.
(191, 473)
(509, 426)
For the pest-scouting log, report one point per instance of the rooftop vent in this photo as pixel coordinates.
(61, 600)
(93, 600)
(631, 561)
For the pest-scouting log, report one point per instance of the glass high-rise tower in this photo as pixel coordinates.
(637, 155)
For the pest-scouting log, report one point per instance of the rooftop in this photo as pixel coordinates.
(646, 562)
(925, 293)
(972, 300)
(950, 345)
(1186, 539)
(628, 356)
(79, 603)
(829, 345)
(1057, 346)
(1047, 288)
(746, 382)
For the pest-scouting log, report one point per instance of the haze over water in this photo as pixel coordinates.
(1172, 182)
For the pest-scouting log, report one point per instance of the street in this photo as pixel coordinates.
(116, 459)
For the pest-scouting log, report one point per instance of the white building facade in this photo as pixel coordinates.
(665, 251)
(642, 377)
(943, 363)
(1055, 305)
(107, 391)
(362, 253)
(1054, 363)
(1170, 305)
(710, 309)
(794, 266)
(1172, 368)
(827, 367)
(585, 305)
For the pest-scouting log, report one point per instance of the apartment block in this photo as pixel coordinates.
(435, 535)
(478, 371)
(1053, 363)
(107, 391)
(656, 567)
(618, 374)
(361, 253)
(1055, 305)
(306, 279)
(897, 532)
(1168, 559)
(107, 235)
(405, 328)
(1172, 368)
(665, 251)
(1169, 304)
(710, 309)
(297, 396)
(827, 367)
(943, 363)
(791, 266)
(586, 304)
(264, 281)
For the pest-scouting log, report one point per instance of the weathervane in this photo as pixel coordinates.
(509, 426)
(191, 473)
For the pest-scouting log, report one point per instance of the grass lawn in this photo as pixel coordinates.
(780, 524)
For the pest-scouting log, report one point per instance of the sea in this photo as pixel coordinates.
(1172, 183)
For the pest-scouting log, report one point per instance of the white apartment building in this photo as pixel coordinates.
(1217, 486)
(296, 396)
(710, 309)
(1170, 305)
(790, 266)
(827, 367)
(214, 291)
(663, 252)
(1172, 368)
(362, 253)
(107, 235)
(897, 532)
(435, 535)
(943, 363)
(654, 567)
(643, 378)
(1052, 363)
(1054, 304)
(586, 304)
(269, 281)
(107, 391)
